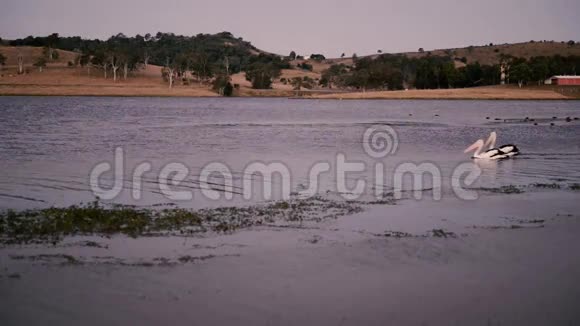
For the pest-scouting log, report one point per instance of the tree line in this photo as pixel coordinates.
(203, 57)
(213, 58)
(397, 72)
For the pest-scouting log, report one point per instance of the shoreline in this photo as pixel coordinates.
(336, 98)
(61, 81)
(297, 98)
(475, 93)
(478, 93)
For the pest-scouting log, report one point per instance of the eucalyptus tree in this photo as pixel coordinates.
(20, 59)
(100, 58)
(51, 45)
(201, 66)
(331, 75)
(521, 73)
(40, 63)
(169, 70)
(122, 53)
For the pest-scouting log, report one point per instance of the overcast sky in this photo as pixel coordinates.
(315, 26)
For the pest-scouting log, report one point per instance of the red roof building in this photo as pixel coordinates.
(563, 80)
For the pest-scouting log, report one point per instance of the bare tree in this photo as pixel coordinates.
(123, 60)
(169, 71)
(146, 58)
(170, 75)
(20, 64)
(125, 69)
(227, 65)
(114, 63)
(146, 41)
(104, 65)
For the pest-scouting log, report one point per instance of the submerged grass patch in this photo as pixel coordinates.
(435, 233)
(546, 185)
(64, 259)
(575, 186)
(511, 189)
(440, 233)
(52, 224)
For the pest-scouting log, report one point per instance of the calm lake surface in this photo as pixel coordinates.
(508, 258)
(48, 145)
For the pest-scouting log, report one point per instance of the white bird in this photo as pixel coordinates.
(490, 154)
(509, 150)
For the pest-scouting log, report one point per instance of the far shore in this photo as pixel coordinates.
(62, 78)
(133, 90)
(63, 81)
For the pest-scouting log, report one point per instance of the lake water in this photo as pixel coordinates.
(508, 258)
(49, 145)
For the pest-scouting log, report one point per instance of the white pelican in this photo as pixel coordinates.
(509, 150)
(490, 154)
(505, 151)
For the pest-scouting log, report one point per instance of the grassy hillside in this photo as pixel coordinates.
(483, 54)
(490, 54)
(31, 53)
(59, 78)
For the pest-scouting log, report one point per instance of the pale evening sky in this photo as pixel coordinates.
(323, 26)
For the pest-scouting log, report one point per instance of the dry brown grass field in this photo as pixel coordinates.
(60, 79)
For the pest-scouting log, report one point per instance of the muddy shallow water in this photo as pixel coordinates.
(507, 258)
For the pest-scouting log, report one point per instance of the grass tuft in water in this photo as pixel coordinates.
(546, 185)
(511, 189)
(574, 186)
(53, 224)
(440, 233)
